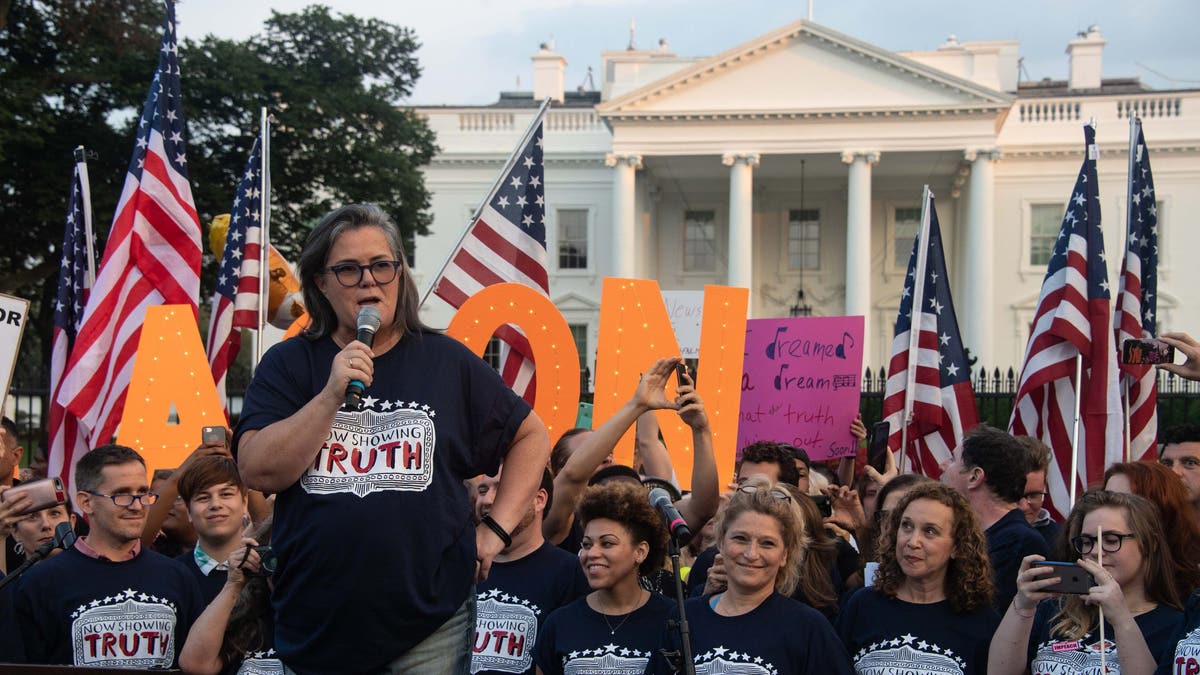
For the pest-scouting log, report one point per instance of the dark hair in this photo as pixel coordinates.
(968, 584)
(548, 486)
(1163, 488)
(800, 454)
(206, 472)
(626, 504)
(1038, 454)
(1180, 433)
(9, 426)
(88, 468)
(815, 582)
(162, 474)
(766, 452)
(614, 472)
(314, 258)
(251, 615)
(1004, 461)
(561, 452)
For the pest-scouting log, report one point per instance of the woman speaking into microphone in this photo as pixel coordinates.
(377, 553)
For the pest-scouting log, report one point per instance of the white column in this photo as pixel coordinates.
(858, 241)
(741, 217)
(623, 217)
(979, 298)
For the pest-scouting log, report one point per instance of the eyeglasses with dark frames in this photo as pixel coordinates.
(775, 492)
(1035, 496)
(1111, 543)
(126, 500)
(351, 274)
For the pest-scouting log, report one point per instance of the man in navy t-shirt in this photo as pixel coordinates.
(528, 580)
(106, 602)
(216, 502)
(989, 469)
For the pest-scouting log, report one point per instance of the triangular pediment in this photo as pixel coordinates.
(572, 301)
(805, 68)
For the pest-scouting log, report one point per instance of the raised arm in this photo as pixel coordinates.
(1010, 643)
(523, 466)
(649, 447)
(271, 459)
(201, 653)
(701, 504)
(573, 478)
(169, 489)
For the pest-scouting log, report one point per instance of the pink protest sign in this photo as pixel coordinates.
(800, 383)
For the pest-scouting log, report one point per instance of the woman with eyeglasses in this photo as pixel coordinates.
(235, 633)
(753, 626)
(343, 431)
(930, 605)
(616, 626)
(1120, 542)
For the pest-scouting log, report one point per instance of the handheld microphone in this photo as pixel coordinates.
(64, 536)
(368, 322)
(661, 500)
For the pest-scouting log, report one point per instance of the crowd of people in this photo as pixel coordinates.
(436, 529)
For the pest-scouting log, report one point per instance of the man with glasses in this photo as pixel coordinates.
(1034, 498)
(989, 469)
(107, 601)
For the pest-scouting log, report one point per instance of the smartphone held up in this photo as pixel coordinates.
(1147, 352)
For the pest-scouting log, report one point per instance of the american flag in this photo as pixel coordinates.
(506, 243)
(152, 256)
(1137, 300)
(1073, 320)
(935, 374)
(74, 283)
(235, 302)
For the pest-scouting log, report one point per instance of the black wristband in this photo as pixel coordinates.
(495, 527)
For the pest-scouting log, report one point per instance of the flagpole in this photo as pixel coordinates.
(86, 200)
(264, 235)
(914, 329)
(1075, 429)
(512, 159)
(1134, 122)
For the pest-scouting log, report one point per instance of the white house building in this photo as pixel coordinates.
(796, 161)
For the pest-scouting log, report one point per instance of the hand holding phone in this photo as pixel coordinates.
(45, 493)
(680, 372)
(1073, 579)
(1146, 352)
(213, 436)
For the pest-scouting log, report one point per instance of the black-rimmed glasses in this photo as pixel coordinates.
(351, 274)
(1034, 496)
(1111, 543)
(127, 500)
(775, 492)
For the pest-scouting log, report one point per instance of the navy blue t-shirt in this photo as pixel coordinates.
(578, 640)
(375, 542)
(1009, 540)
(78, 610)
(881, 632)
(211, 583)
(779, 636)
(1185, 660)
(1050, 655)
(514, 600)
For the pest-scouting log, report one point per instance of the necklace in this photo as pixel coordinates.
(612, 630)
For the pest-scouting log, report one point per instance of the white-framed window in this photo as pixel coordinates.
(572, 241)
(906, 224)
(804, 239)
(700, 241)
(579, 333)
(1045, 222)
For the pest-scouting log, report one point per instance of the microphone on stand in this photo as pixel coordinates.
(661, 500)
(368, 322)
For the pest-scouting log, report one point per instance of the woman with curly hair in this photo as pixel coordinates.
(1135, 586)
(616, 626)
(931, 602)
(753, 626)
(1163, 488)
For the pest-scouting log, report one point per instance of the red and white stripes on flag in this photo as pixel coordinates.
(237, 296)
(1072, 322)
(928, 401)
(1137, 299)
(152, 256)
(506, 242)
(75, 278)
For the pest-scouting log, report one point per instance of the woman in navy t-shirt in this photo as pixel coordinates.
(1135, 586)
(753, 627)
(616, 627)
(931, 605)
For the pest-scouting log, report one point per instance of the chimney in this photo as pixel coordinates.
(1084, 55)
(548, 73)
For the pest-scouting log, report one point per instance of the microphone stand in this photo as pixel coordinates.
(681, 662)
(34, 558)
